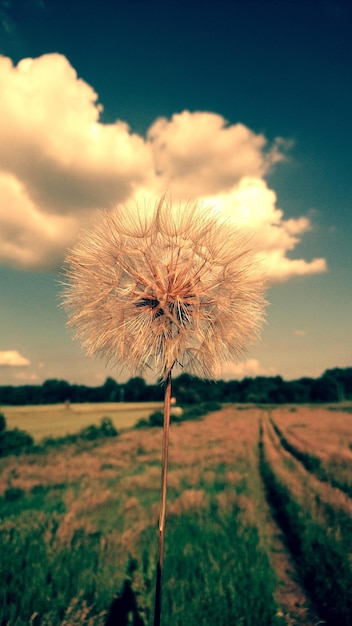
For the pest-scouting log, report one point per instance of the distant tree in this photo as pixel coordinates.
(343, 381)
(136, 390)
(301, 389)
(23, 394)
(250, 391)
(231, 391)
(155, 392)
(186, 389)
(211, 390)
(111, 390)
(54, 391)
(274, 390)
(96, 394)
(335, 385)
(7, 394)
(324, 390)
(79, 393)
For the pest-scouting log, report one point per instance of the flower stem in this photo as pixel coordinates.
(162, 514)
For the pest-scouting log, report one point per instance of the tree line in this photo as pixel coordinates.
(334, 385)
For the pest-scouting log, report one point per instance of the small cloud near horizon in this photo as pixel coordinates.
(248, 368)
(12, 358)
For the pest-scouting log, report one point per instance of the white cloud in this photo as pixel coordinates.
(201, 154)
(12, 358)
(28, 237)
(252, 205)
(59, 163)
(66, 159)
(280, 268)
(249, 367)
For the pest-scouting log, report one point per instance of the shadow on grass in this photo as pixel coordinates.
(123, 608)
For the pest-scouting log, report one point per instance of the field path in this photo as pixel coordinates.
(296, 605)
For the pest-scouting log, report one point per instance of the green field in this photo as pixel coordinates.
(258, 531)
(57, 420)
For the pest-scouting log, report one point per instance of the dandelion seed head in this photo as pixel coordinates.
(164, 286)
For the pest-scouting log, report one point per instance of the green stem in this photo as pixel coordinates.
(162, 514)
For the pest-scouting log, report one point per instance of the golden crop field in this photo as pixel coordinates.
(55, 420)
(258, 532)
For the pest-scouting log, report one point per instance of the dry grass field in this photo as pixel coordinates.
(258, 533)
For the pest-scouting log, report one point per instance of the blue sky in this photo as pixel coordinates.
(246, 105)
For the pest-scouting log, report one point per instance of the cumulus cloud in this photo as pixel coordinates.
(202, 155)
(59, 163)
(12, 358)
(28, 237)
(252, 205)
(248, 367)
